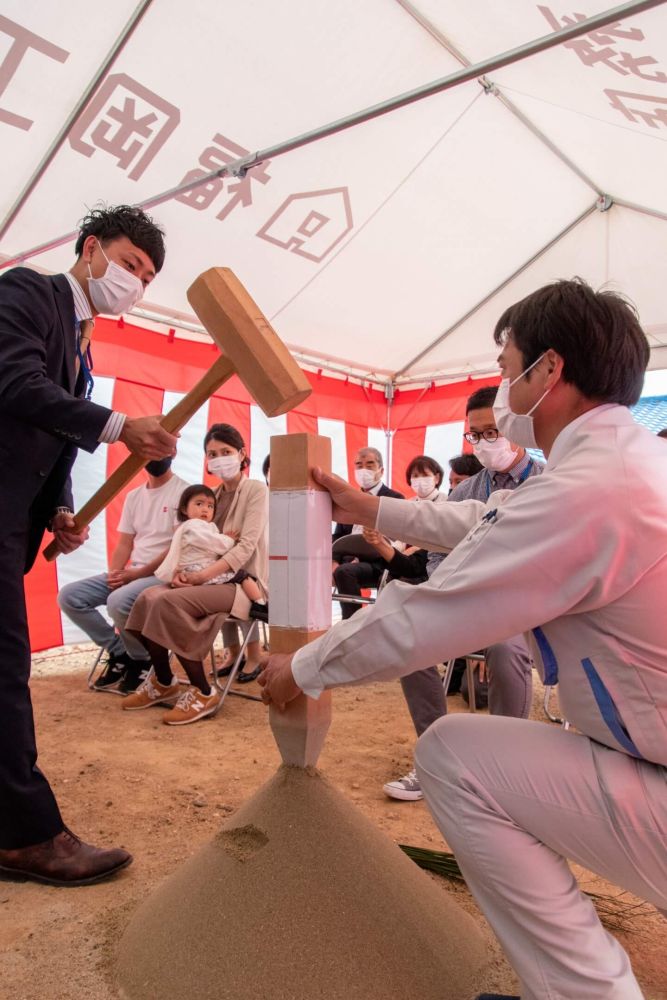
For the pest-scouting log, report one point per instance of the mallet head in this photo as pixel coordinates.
(245, 336)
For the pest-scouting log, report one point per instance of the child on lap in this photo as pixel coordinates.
(197, 544)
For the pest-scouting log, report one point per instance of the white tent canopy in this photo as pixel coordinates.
(390, 248)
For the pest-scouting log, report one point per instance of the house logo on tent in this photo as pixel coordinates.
(311, 223)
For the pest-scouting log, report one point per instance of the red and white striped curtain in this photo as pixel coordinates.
(142, 372)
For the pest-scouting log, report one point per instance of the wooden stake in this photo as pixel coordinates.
(300, 582)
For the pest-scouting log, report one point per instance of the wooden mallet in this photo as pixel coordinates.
(251, 349)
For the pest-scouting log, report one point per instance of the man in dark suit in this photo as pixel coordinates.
(45, 415)
(352, 576)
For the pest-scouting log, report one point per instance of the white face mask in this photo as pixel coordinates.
(117, 291)
(225, 467)
(366, 478)
(423, 486)
(496, 455)
(519, 427)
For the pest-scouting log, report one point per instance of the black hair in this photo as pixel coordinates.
(226, 434)
(482, 398)
(597, 334)
(423, 462)
(663, 433)
(198, 490)
(108, 223)
(266, 465)
(465, 465)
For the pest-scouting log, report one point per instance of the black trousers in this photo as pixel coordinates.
(353, 577)
(29, 813)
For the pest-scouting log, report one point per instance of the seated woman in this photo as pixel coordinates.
(197, 543)
(186, 615)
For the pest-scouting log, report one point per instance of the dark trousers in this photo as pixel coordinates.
(353, 577)
(29, 813)
(425, 697)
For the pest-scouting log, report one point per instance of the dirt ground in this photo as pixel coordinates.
(127, 780)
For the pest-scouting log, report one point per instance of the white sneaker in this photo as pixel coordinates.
(407, 788)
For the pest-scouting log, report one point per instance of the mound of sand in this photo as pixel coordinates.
(299, 897)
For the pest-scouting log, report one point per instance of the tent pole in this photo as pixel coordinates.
(101, 72)
(492, 88)
(487, 298)
(641, 209)
(464, 75)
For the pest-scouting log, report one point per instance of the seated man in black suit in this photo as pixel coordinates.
(45, 415)
(352, 576)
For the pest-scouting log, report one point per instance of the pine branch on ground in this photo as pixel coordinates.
(616, 912)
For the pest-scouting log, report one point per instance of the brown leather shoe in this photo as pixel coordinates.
(65, 860)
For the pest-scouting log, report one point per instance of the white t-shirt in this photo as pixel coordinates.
(150, 515)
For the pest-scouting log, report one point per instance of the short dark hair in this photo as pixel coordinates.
(482, 398)
(663, 433)
(266, 465)
(108, 223)
(597, 334)
(422, 463)
(198, 490)
(465, 465)
(226, 434)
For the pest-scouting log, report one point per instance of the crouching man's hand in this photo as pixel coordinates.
(277, 681)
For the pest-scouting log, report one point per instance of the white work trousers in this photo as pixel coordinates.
(513, 799)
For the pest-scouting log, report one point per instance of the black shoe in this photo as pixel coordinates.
(252, 675)
(226, 671)
(134, 673)
(259, 612)
(112, 673)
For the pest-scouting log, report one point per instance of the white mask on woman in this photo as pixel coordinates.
(117, 291)
(224, 467)
(496, 455)
(519, 427)
(423, 486)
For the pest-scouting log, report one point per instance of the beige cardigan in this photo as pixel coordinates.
(249, 516)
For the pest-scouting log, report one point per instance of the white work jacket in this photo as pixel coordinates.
(577, 559)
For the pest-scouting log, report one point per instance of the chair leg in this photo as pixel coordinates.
(447, 678)
(548, 691)
(470, 670)
(225, 689)
(91, 674)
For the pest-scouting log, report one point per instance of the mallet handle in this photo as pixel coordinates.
(219, 372)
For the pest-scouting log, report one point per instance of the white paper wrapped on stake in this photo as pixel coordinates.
(300, 559)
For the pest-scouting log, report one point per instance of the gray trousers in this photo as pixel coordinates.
(509, 671)
(514, 799)
(80, 600)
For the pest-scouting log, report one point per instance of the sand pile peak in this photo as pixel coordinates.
(299, 897)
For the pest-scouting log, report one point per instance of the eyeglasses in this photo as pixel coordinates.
(472, 437)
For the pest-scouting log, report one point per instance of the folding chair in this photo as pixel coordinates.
(353, 599)
(259, 614)
(472, 661)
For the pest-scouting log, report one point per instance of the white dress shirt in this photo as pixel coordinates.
(82, 311)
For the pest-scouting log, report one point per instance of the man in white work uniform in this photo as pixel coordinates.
(577, 559)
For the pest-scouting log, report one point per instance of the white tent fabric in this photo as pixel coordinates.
(367, 247)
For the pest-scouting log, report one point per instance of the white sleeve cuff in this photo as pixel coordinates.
(306, 670)
(113, 428)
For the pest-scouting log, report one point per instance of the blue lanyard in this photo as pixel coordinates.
(522, 478)
(86, 368)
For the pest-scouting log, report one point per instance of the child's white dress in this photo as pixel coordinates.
(195, 545)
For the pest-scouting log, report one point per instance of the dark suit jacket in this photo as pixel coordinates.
(42, 422)
(345, 529)
(342, 530)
